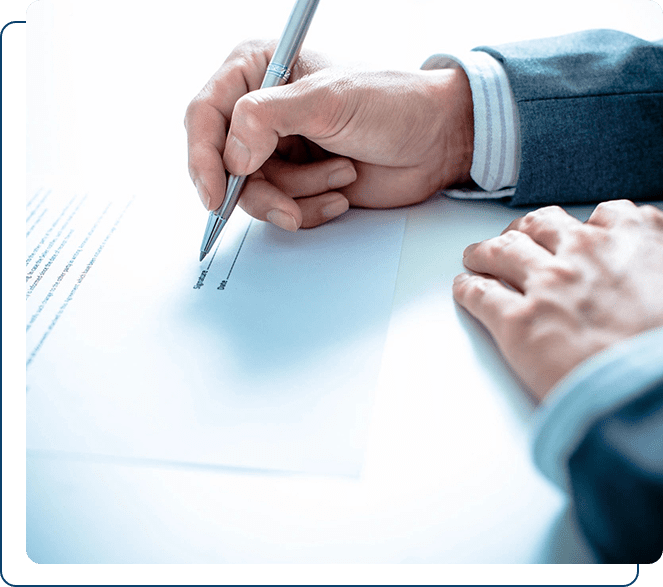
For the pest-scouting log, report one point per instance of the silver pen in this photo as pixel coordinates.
(278, 72)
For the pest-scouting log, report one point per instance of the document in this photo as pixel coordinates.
(264, 356)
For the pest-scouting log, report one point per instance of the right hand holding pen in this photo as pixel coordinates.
(328, 139)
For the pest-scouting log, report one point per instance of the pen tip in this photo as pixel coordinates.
(202, 255)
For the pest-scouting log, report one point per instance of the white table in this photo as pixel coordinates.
(447, 476)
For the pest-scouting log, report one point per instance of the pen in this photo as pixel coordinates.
(278, 72)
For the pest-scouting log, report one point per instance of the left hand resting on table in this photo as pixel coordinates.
(579, 287)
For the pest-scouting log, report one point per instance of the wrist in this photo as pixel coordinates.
(455, 129)
(461, 126)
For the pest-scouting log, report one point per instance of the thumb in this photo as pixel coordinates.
(260, 118)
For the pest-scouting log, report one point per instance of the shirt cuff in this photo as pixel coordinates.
(599, 386)
(496, 158)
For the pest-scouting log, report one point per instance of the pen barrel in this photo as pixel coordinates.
(277, 73)
(233, 191)
(290, 44)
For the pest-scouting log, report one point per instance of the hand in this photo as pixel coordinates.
(328, 139)
(575, 289)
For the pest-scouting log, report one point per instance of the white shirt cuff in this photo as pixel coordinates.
(593, 390)
(496, 159)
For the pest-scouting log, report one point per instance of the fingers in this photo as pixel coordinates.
(625, 214)
(613, 213)
(259, 120)
(652, 215)
(208, 116)
(265, 201)
(313, 184)
(310, 178)
(209, 113)
(511, 257)
(547, 227)
(293, 196)
(206, 122)
(488, 300)
(317, 210)
(305, 107)
(206, 133)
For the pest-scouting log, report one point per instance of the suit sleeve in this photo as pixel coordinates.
(616, 477)
(590, 106)
(599, 437)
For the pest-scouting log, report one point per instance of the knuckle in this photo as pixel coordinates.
(506, 242)
(248, 112)
(527, 313)
(248, 61)
(505, 239)
(248, 49)
(191, 111)
(488, 250)
(534, 323)
(514, 224)
(603, 206)
(585, 239)
(621, 209)
(602, 212)
(473, 289)
(542, 215)
(545, 212)
(248, 46)
(564, 274)
(538, 223)
(517, 322)
(652, 214)
(614, 204)
(522, 323)
(530, 220)
(535, 308)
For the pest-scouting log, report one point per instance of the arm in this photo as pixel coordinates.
(598, 436)
(617, 482)
(581, 111)
(580, 319)
(600, 428)
(590, 107)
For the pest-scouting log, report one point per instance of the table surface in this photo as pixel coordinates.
(448, 476)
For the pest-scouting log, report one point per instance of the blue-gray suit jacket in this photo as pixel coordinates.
(591, 116)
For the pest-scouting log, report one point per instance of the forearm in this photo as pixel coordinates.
(598, 438)
(571, 119)
(590, 107)
(617, 482)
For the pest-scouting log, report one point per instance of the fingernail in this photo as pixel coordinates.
(239, 153)
(460, 278)
(282, 220)
(341, 177)
(335, 208)
(203, 194)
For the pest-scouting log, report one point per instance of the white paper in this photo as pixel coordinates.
(263, 356)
